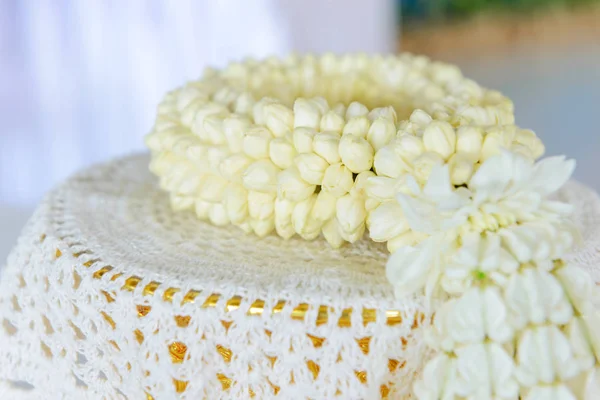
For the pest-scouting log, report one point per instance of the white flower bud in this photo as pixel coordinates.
(382, 131)
(326, 145)
(360, 183)
(225, 96)
(469, 140)
(408, 147)
(279, 119)
(337, 180)
(332, 122)
(356, 109)
(356, 153)
(235, 200)
(420, 118)
(387, 221)
(258, 111)
(188, 114)
(261, 176)
(283, 218)
(292, 187)
(202, 208)
(213, 131)
(331, 232)
(386, 113)
(215, 155)
(212, 188)
(311, 167)
(388, 163)
(187, 96)
(358, 126)
(304, 224)
(307, 113)
(324, 207)
(530, 140)
(410, 238)
(217, 215)
(234, 128)
(256, 142)
(260, 205)
(439, 137)
(282, 152)
(262, 227)
(232, 167)
(492, 144)
(244, 104)
(382, 188)
(423, 165)
(204, 112)
(303, 139)
(461, 168)
(190, 184)
(351, 216)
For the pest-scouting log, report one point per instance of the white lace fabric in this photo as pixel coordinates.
(110, 294)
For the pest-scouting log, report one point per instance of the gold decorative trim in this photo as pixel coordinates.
(364, 344)
(316, 341)
(177, 351)
(139, 336)
(362, 376)
(182, 321)
(257, 307)
(224, 352)
(314, 368)
(109, 319)
(180, 386)
(226, 382)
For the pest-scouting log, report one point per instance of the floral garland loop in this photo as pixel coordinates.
(424, 160)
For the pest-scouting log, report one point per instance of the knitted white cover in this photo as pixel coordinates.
(110, 294)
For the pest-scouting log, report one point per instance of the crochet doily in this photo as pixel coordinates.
(109, 294)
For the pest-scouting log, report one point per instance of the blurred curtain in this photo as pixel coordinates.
(80, 79)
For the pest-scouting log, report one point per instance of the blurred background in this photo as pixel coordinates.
(79, 80)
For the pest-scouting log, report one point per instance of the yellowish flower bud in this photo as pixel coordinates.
(202, 208)
(360, 183)
(410, 238)
(282, 152)
(217, 215)
(261, 205)
(388, 163)
(212, 188)
(522, 150)
(244, 104)
(338, 180)
(356, 153)
(235, 128)
(215, 155)
(304, 224)
(256, 142)
(225, 96)
(357, 126)
(382, 131)
(258, 111)
(493, 142)
(382, 188)
(262, 227)
(351, 216)
(190, 184)
(279, 119)
(356, 109)
(187, 96)
(408, 147)
(469, 140)
(423, 165)
(387, 221)
(440, 137)
(303, 139)
(331, 232)
(232, 167)
(420, 118)
(324, 207)
(311, 167)
(307, 114)
(213, 131)
(261, 176)
(292, 187)
(235, 200)
(528, 138)
(461, 168)
(283, 218)
(332, 122)
(387, 113)
(326, 145)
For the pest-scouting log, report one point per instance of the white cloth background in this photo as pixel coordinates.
(79, 80)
